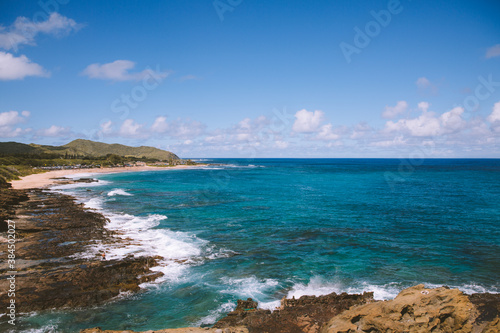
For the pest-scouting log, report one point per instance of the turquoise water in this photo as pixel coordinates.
(268, 228)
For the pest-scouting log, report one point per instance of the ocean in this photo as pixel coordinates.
(269, 228)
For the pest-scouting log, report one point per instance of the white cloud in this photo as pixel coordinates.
(397, 141)
(9, 132)
(281, 144)
(425, 125)
(392, 111)
(9, 119)
(130, 128)
(494, 118)
(495, 114)
(17, 68)
(424, 106)
(428, 124)
(452, 121)
(361, 130)
(160, 125)
(119, 71)
(493, 52)
(215, 139)
(54, 131)
(426, 86)
(106, 127)
(423, 82)
(307, 121)
(24, 31)
(184, 129)
(326, 133)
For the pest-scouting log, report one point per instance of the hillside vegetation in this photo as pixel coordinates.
(19, 159)
(86, 148)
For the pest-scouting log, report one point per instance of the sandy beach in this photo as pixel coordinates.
(43, 180)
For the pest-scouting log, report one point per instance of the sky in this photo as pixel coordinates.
(254, 79)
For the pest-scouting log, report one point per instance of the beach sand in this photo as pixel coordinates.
(43, 180)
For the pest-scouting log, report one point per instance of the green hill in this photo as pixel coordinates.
(92, 148)
(86, 148)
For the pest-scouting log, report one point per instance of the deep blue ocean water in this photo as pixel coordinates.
(268, 228)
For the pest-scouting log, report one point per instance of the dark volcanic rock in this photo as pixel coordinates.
(9, 198)
(306, 314)
(50, 230)
(81, 285)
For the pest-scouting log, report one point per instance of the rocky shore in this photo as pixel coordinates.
(51, 230)
(416, 309)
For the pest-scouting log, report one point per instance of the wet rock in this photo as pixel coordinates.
(306, 314)
(51, 229)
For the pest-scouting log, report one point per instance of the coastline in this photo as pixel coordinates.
(309, 314)
(46, 179)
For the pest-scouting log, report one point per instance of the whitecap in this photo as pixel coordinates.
(118, 191)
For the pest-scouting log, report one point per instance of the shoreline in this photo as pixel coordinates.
(46, 179)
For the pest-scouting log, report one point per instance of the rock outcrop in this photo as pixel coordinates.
(306, 314)
(50, 229)
(414, 310)
(418, 309)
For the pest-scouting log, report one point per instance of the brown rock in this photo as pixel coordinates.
(306, 314)
(415, 309)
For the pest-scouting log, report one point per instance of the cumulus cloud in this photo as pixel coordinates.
(426, 86)
(130, 128)
(107, 127)
(495, 114)
(55, 131)
(493, 52)
(423, 82)
(17, 68)
(393, 111)
(119, 70)
(24, 31)
(307, 121)
(428, 124)
(326, 133)
(183, 129)
(160, 125)
(361, 130)
(494, 118)
(9, 119)
(452, 121)
(424, 106)
(424, 125)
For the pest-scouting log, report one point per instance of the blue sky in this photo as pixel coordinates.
(241, 78)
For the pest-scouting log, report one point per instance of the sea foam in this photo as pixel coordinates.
(118, 191)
